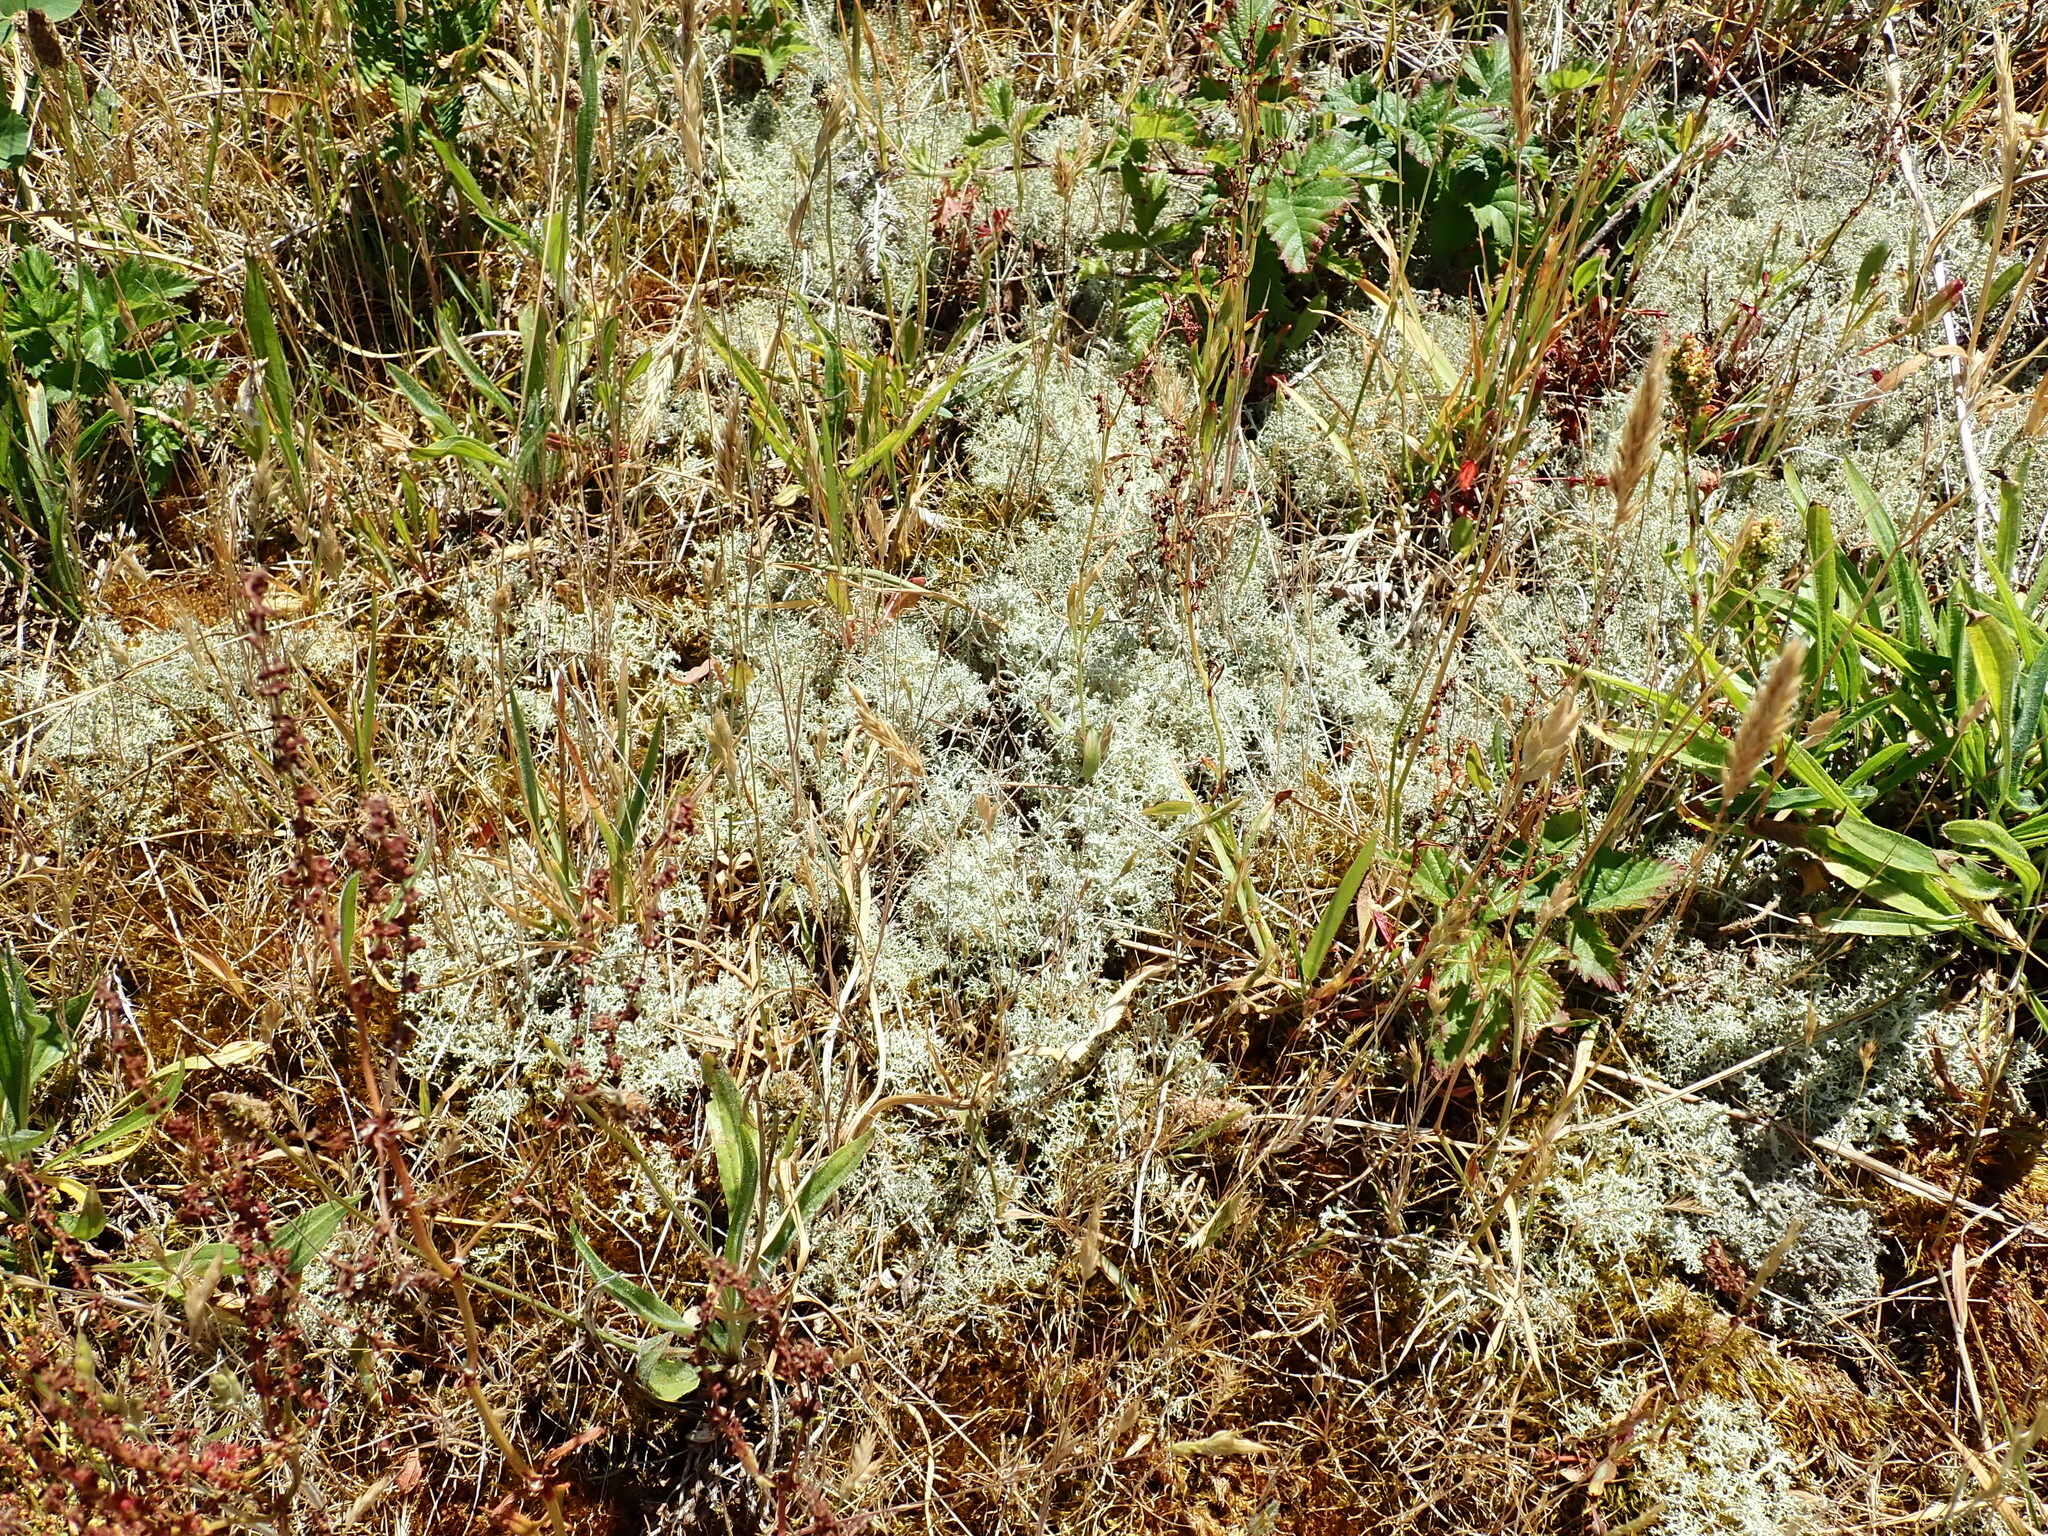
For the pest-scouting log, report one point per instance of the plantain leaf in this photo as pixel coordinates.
(1877, 850)
(1879, 923)
(308, 1233)
(1319, 943)
(637, 1299)
(1998, 667)
(2026, 715)
(665, 1371)
(1990, 837)
(818, 1187)
(31, 1043)
(737, 1146)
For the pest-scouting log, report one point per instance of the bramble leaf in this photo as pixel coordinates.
(1299, 212)
(1616, 883)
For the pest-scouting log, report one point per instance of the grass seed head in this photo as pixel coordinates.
(1765, 722)
(1636, 456)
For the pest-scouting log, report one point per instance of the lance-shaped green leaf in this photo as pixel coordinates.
(818, 1187)
(636, 1299)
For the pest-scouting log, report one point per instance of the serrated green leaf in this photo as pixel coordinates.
(1616, 883)
(1159, 119)
(1537, 992)
(1489, 71)
(1592, 956)
(1338, 153)
(1299, 212)
(1242, 38)
(1434, 876)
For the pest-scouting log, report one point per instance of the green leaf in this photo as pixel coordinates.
(14, 138)
(123, 1134)
(1698, 748)
(1877, 764)
(1319, 943)
(465, 361)
(1968, 881)
(32, 1042)
(1243, 39)
(1915, 895)
(1879, 850)
(15, 1145)
(2007, 545)
(1156, 118)
(1867, 271)
(529, 775)
(637, 1299)
(1592, 956)
(307, 1234)
(2026, 713)
(736, 1144)
(1561, 831)
(886, 450)
(1489, 71)
(1563, 82)
(303, 1239)
(345, 936)
(1989, 837)
(89, 1220)
(665, 1371)
(1299, 211)
(1998, 666)
(818, 1186)
(1434, 877)
(1616, 883)
(626, 834)
(1338, 153)
(460, 178)
(268, 348)
(768, 415)
(1537, 992)
(1879, 923)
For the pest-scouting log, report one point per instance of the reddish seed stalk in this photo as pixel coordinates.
(380, 855)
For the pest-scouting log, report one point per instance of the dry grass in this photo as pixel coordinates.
(736, 596)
